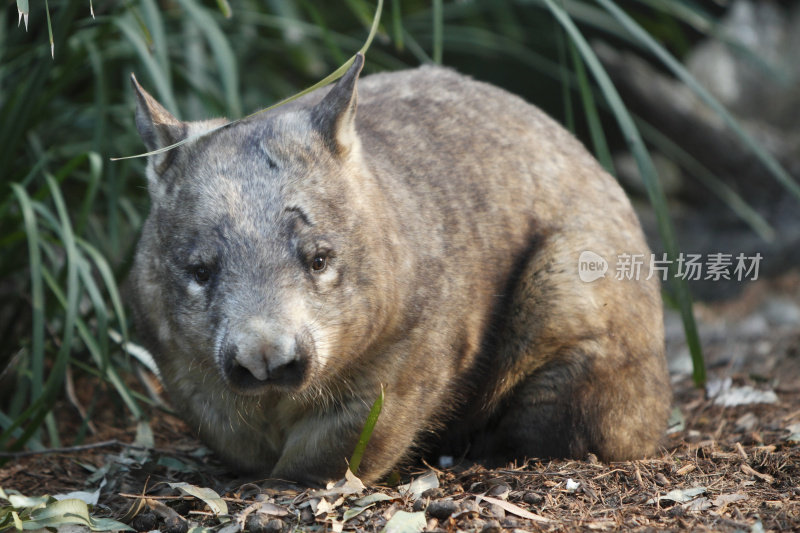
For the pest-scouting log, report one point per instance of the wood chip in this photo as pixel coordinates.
(763, 477)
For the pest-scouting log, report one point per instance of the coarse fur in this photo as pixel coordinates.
(421, 232)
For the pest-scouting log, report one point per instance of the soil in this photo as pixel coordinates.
(721, 468)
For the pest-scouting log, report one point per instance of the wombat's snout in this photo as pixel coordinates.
(257, 357)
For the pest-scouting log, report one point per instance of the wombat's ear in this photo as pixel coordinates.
(335, 115)
(157, 127)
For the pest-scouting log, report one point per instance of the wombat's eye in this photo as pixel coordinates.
(319, 263)
(201, 274)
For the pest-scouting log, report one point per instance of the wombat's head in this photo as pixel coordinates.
(259, 254)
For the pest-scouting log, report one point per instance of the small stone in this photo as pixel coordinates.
(497, 511)
(492, 526)
(146, 521)
(175, 524)
(662, 480)
(441, 509)
(260, 523)
(747, 422)
(307, 516)
(532, 498)
(419, 505)
(782, 312)
(433, 493)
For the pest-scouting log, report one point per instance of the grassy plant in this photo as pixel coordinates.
(69, 216)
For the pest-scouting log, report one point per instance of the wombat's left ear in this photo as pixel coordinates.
(335, 115)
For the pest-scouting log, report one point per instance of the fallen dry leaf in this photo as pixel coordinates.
(513, 509)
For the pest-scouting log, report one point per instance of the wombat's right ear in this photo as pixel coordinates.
(157, 127)
(335, 115)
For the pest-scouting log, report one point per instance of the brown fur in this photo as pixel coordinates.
(450, 216)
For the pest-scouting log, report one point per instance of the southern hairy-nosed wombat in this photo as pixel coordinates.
(429, 241)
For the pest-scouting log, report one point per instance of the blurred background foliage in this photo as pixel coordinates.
(70, 217)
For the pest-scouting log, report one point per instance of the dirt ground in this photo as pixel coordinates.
(722, 467)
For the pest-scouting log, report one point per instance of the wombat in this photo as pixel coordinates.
(423, 233)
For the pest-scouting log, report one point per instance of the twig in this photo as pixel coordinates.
(70, 449)
(180, 497)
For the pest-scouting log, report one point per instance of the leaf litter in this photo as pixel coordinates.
(723, 468)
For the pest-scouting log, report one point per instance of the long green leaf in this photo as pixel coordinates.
(438, 23)
(566, 93)
(774, 167)
(50, 30)
(735, 202)
(109, 280)
(151, 26)
(89, 339)
(225, 8)
(397, 25)
(696, 16)
(22, 9)
(335, 75)
(73, 282)
(95, 173)
(37, 296)
(651, 182)
(223, 54)
(592, 116)
(159, 76)
(366, 433)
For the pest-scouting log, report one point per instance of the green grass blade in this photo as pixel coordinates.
(157, 74)
(325, 32)
(225, 8)
(50, 31)
(651, 182)
(601, 149)
(366, 433)
(376, 21)
(90, 341)
(438, 23)
(735, 202)
(223, 54)
(361, 10)
(695, 16)
(774, 167)
(102, 266)
(151, 26)
(95, 173)
(100, 311)
(37, 293)
(566, 92)
(397, 26)
(335, 75)
(415, 48)
(22, 9)
(67, 235)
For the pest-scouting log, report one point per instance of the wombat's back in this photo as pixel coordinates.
(564, 366)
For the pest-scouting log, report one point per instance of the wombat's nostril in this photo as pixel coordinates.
(282, 369)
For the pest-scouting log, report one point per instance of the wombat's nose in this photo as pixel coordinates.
(267, 360)
(249, 368)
